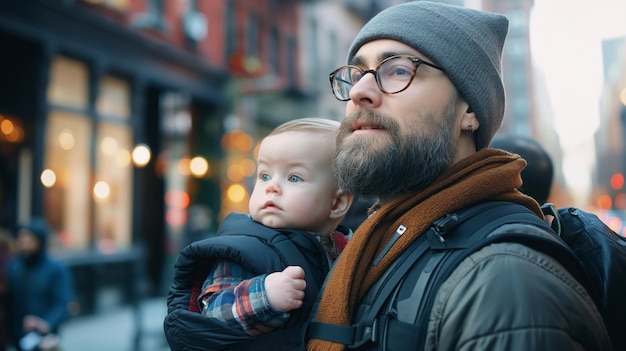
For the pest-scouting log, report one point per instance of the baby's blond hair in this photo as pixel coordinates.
(313, 124)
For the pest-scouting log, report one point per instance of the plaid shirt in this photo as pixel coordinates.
(238, 298)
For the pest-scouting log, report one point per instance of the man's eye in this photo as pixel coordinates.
(401, 71)
(294, 178)
(398, 71)
(355, 76)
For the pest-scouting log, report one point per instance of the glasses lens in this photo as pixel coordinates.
(395, 74)
(343, 80)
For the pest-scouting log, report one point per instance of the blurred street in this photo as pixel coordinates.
(115, 330)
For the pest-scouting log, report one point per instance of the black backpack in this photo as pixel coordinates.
(581, 242)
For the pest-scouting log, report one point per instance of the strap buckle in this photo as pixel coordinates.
(352, 336)
(364, 333)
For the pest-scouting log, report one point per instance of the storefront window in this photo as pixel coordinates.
(87, 167)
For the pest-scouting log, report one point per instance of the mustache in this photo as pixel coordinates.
(369, 117)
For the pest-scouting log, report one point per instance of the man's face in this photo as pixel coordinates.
(392, 143)
(27, 243)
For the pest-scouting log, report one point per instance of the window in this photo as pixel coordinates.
(68, 83)
(113, 98)
(87, 163)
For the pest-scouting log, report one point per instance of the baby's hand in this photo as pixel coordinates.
(285, 290)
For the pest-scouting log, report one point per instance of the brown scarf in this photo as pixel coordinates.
(487, 174)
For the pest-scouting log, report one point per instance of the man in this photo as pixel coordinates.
(538, 174)
(424, 98)
(40, 288)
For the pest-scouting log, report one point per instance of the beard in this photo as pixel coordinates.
(392, 163)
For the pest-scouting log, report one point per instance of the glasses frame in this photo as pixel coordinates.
(416, 63)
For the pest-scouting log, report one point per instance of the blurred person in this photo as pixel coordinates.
(539, 172)
(249, 300)
(424, 98)
(40, 288)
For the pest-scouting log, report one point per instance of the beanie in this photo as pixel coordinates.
(466, 43)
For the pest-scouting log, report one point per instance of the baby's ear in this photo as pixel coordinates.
(341, 204)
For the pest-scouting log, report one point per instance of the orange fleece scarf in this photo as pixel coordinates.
(487, 174)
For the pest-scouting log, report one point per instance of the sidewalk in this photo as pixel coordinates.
(115, 330)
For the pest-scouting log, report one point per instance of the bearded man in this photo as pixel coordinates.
(425, 97)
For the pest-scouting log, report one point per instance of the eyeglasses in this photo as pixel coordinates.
(393, 75)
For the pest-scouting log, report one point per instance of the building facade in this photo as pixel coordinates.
(119, 121)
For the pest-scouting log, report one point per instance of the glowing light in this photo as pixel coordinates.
(244, 142)
(175, 217)
(108, 146)
(248, 167)
(141, 155)
(604, 202)
(101, 190)
(48, 178)
(66, 139)
(620, 201)
(6, 126)
(236, 193)
(177, 199)
(237, 140)
(199, 166)
(617, 181)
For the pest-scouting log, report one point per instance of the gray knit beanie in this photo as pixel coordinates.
(466, 43)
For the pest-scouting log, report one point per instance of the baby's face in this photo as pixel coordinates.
(294, 186)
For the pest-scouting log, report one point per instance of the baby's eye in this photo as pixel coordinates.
(264, 177)
(294, 178)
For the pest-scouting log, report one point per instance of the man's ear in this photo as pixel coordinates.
(469, 122)
(341, 204)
